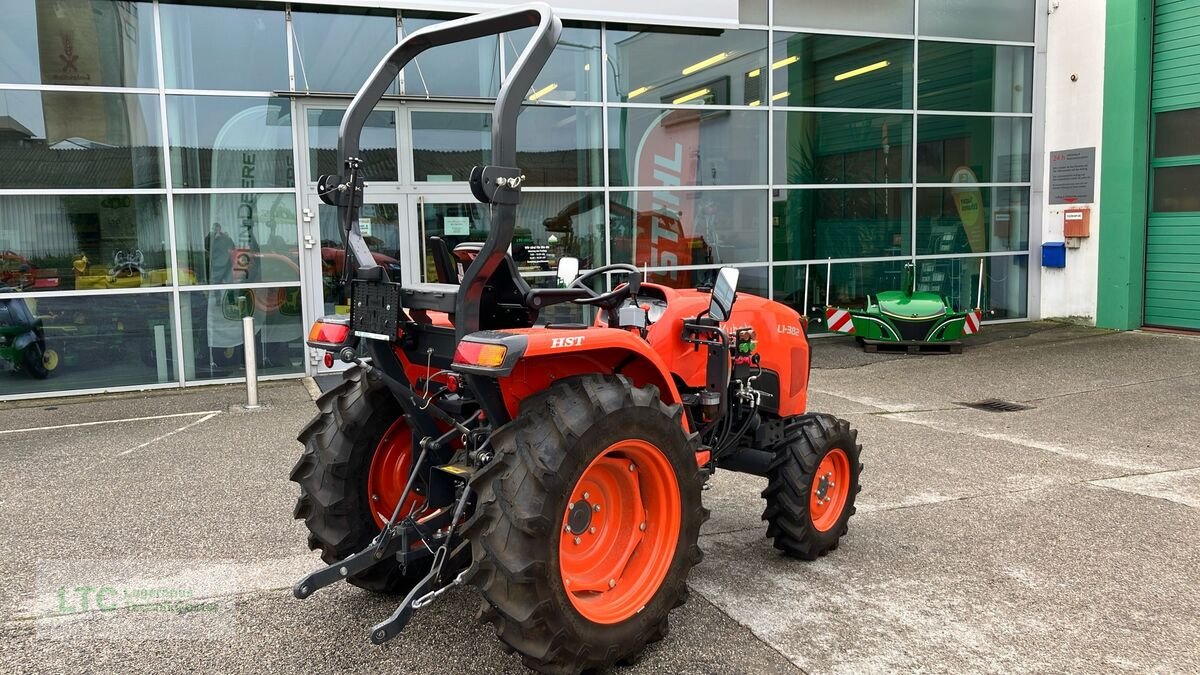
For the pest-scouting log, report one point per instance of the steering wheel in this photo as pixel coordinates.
(612, 298)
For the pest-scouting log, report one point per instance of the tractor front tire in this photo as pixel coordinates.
(586, 524)
(812, 484)
(333, 472)
(35, 361)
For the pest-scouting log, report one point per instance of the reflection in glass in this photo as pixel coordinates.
(683, 65)
(979, 78)
(92, 43)
(213, 340)
(551, 225)
(224, 48)
(219, 141)
(850, 283)
(377, 144)
(573, 71)
(54, 243)
(970, 219)
(96, 341)
(825, 147)
(838, 71)
(79, 139)
(380, 227)
(468, 69)
(236, 238)
(978, 19)
(689, 227)
(560, 146)
(454, 223)
(852, 223)
(1005, 287)
(877, 16)
(651, 147)
(323, 61)
(446, 144)
(972, 149)
(1176, 188)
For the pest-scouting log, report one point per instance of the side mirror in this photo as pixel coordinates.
(568, 269)
(724, 293)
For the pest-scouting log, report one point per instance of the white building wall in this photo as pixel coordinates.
(1075, 49)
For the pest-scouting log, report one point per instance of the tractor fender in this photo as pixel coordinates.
(24, 340)
(539, 356)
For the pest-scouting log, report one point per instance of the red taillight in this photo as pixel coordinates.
(480, 354)
(329, 333)
(328, 359)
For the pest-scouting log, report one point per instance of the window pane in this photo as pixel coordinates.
(377, 144)
(821, 147)
(94, 42)
(221, 141)
(212, 331)
(1176, 188)
(972, 149)
(551, 225)
(981, 78)
(979, 19)
(665, 228)
(1005, 294)
(879, 16)
(1175, 133)
(96, 341)
(236, 238)
(855, 223)
(970, 219)
(686, 65)
(54, 243)
(468, 69)
(687, 147)
(79, 140)
(224, 48)
(850, 283)
(573, 71)
(838, 71)
(561, 146)
(380, 225)
(336, 52)
(446, 144)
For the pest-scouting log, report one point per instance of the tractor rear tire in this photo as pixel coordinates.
(592, 465)
(35, 361)
(812, 485)
(339, 444)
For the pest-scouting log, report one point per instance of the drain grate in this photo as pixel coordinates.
(996, 405)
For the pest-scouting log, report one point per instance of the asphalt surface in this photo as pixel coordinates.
(1059, 538)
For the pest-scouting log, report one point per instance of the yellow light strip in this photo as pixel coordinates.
(861, 71)
(637, 92)
(710, 61)
(543, 91)
(694, 95)
(754, 103)
(784, 62)
(782, 94)
(754, 73)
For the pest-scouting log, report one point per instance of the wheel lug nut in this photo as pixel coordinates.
(642, 527)
(632, 467)
(586, 495)
(591, 530)
(612, 583)
(596, 507)
(577, 540)
(374, 498)
(570, 505)
(566, 528)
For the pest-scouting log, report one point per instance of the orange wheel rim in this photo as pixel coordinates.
(619, 531)
(389, 474)
(830, 488)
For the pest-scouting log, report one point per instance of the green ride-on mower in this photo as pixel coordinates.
(555, 468)
(906, 318)
(23, 340)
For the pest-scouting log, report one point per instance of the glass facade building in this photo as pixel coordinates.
(159, 184)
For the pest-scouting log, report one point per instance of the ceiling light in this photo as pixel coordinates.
(782, 94)
(543, 91)
(710, 61)
(754, 73)
(694, 95)
(587, 66)
(784, 62)
(637, 92)
(755, 102)
(861, 71)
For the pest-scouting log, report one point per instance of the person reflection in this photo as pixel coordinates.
(218, 252)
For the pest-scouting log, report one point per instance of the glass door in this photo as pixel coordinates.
(455, 218)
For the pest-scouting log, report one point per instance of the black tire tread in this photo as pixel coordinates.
(509, 529)
(789, 477)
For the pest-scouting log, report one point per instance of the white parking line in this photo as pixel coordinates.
(170, 433)
(210, 413)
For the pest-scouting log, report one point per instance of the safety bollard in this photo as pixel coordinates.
(251, 362)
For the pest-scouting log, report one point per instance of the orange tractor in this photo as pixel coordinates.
(556, 468)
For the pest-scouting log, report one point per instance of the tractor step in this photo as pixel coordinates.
(460, 471)
(890, 347)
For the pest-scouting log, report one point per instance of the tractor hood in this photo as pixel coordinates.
(918, 305)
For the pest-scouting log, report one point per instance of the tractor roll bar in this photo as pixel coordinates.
(504, 131)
